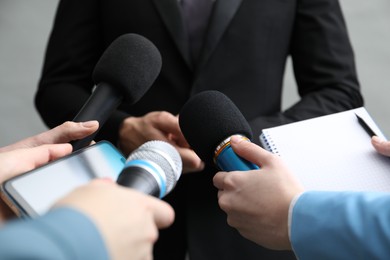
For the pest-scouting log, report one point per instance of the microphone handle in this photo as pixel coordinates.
(140, 179)
(228, 161)
(100, 105)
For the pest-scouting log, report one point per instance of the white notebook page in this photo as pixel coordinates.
(332, 152)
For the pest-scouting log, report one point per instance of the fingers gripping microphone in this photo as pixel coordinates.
(153, 168)
(126, 70)
(207, 121)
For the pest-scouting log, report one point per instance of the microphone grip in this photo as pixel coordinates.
(139, 179)
(228, 160)
(100, 105)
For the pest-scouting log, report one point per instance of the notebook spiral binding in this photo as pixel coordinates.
(268, 143)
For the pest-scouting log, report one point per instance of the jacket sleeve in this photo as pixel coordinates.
(341, 225)
(75, 45)
(323, 63)
(63, 233)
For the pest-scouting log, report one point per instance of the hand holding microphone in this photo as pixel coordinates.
(207, 121)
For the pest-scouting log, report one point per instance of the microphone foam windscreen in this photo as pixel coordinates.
(131, 64)
(164, 155)
(207, 119)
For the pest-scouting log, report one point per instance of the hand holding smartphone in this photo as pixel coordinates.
(33, 193)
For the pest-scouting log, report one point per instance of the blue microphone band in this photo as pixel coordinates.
(227, 160)
(152, 168)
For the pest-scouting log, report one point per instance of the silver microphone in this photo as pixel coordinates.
(154, 168)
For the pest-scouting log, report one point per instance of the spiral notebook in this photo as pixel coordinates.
(331, 152)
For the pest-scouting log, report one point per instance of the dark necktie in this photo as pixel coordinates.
(196, 14)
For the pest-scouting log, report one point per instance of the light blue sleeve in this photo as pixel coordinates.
(341, 225)
(63, 233)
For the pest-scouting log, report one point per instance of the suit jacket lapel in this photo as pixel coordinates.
(171, 15)
(223, 13)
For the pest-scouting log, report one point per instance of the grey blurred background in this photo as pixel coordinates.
(26, 24)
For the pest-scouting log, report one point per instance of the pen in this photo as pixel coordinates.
(366, 127)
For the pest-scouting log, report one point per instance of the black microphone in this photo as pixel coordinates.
(126, 70)
(207, 121)
(153, 168)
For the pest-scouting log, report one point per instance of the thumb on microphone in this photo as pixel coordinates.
(248, 150)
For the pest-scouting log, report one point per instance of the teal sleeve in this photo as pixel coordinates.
(63, 233)
(341, 225)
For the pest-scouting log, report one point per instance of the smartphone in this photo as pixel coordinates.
(33, 193)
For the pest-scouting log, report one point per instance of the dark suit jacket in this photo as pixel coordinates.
(244, 56)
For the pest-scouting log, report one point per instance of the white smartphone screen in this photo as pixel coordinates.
(34, 192)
